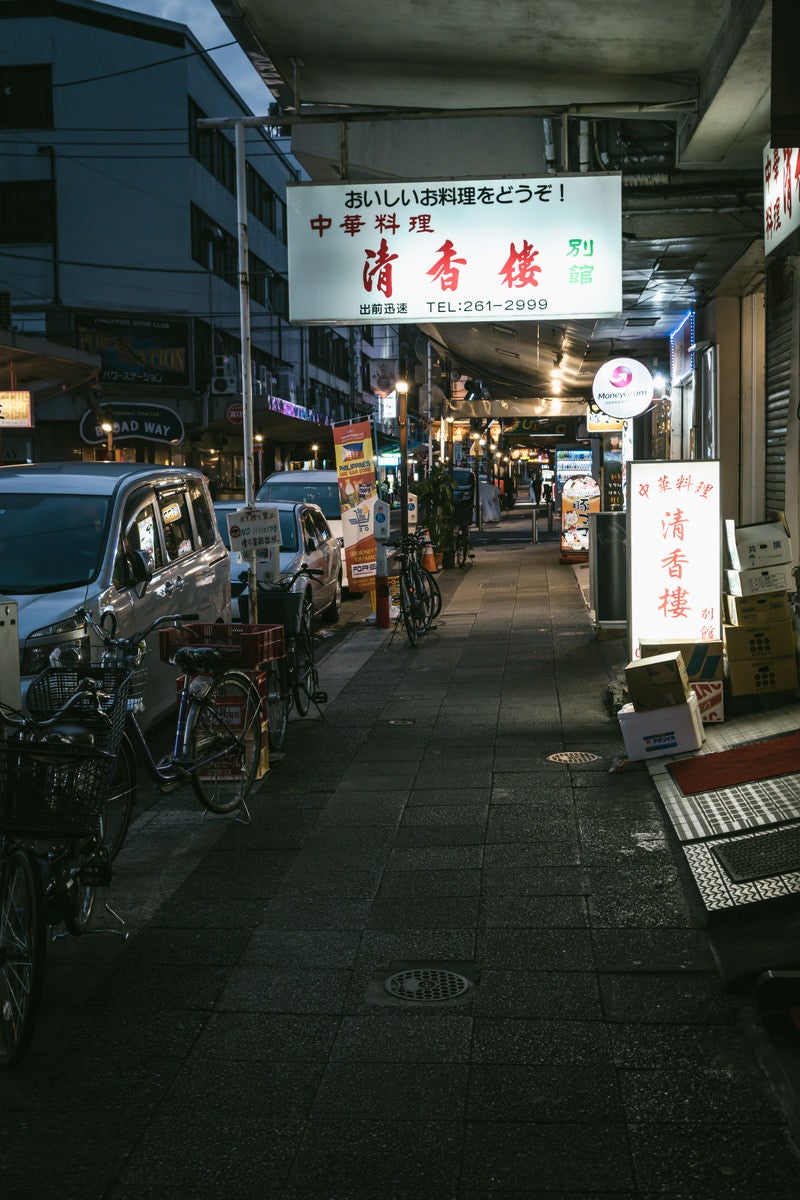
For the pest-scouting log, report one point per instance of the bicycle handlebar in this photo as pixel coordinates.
(286, 582)
(109, 638)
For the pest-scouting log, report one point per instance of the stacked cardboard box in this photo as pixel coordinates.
(663, 716)
(760, 653)
(704, 670)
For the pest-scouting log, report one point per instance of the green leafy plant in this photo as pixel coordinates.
(436, 508)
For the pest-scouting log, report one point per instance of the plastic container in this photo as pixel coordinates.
(239, 645)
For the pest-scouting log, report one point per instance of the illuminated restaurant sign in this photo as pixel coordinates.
(781, 195)
(455, 250)
(674, 552)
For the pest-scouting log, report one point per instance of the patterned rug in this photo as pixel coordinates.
(766, 759)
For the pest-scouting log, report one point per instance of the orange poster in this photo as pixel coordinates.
(355, 467)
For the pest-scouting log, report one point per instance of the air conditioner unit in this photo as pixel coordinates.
(287, 388)
(227, 379)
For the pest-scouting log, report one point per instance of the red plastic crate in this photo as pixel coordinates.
(239, 645)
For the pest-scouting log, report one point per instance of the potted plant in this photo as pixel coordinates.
(437, 510)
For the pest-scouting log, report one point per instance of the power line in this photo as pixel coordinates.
(146, 66)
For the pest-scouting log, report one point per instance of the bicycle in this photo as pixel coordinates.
(291, 681)
(217, 741)
(461, 543)
(54, 775)
(420, 598)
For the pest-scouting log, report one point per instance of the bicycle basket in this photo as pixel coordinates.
(50, 691)
(282, 607)
(51, 788)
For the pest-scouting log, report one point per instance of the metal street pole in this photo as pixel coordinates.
(402, 418)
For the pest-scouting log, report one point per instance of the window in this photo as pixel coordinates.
(26, 97)
(27, 212)
(178, 537)
(202, 516)
(140, 532)
(321, 526)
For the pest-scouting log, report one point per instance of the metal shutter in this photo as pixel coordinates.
(778, 381)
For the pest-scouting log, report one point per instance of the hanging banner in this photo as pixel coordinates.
(674, 552)
(355, 467)
(519, 249)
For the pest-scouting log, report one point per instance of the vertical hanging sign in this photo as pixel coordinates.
(674, 552)
(355, 467)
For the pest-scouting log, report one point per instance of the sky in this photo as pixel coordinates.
(209, 29)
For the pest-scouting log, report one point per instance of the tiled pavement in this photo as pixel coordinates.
(242, 1043)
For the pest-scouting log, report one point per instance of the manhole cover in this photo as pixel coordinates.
(426, 984)
(573, 756)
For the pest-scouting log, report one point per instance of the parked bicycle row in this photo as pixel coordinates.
(69, 765)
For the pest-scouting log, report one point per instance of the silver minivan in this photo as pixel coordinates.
(132, 538)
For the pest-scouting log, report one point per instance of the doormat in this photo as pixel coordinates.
(775, 852)
(760, 760)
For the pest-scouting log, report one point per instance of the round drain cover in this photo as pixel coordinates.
(427, 983)
(573, 756)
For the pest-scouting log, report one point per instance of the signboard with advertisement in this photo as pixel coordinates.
(674, 552)
(781, 195)
(580, 496)
(16, 410)
(455, 250)
(137, 349)
(623, 388)
(144, 422)
(355, 467)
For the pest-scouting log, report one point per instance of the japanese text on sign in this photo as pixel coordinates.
(674, 557)
(781, 195)
(454, 250)
(253, 529)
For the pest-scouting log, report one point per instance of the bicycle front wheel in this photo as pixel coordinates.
(223, 742)
(277, 703)
(407, 602)
(303, 687)
(115, 815)
(462, 547)
(22, 950)
(435, 593)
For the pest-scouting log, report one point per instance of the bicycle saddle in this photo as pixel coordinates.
(194, 659)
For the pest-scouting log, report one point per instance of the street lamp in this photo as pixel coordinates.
(314, 450)
(108, 430)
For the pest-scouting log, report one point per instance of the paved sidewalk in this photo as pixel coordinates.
(243, 1042)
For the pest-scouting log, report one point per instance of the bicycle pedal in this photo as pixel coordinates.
(95, 874)
(319, 697)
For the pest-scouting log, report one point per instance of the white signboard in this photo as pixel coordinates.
(623, 388)
(674, 552)
(254, 529)
(15, 410)
(455, 250)
(781, 195)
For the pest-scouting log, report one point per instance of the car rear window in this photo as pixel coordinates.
(326, 495)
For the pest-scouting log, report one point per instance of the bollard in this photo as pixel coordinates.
(383, 611)
(535, 524)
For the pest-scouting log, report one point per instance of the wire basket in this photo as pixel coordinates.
(51, 690)
(52, 789)
(285, 608)
(238, 645)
